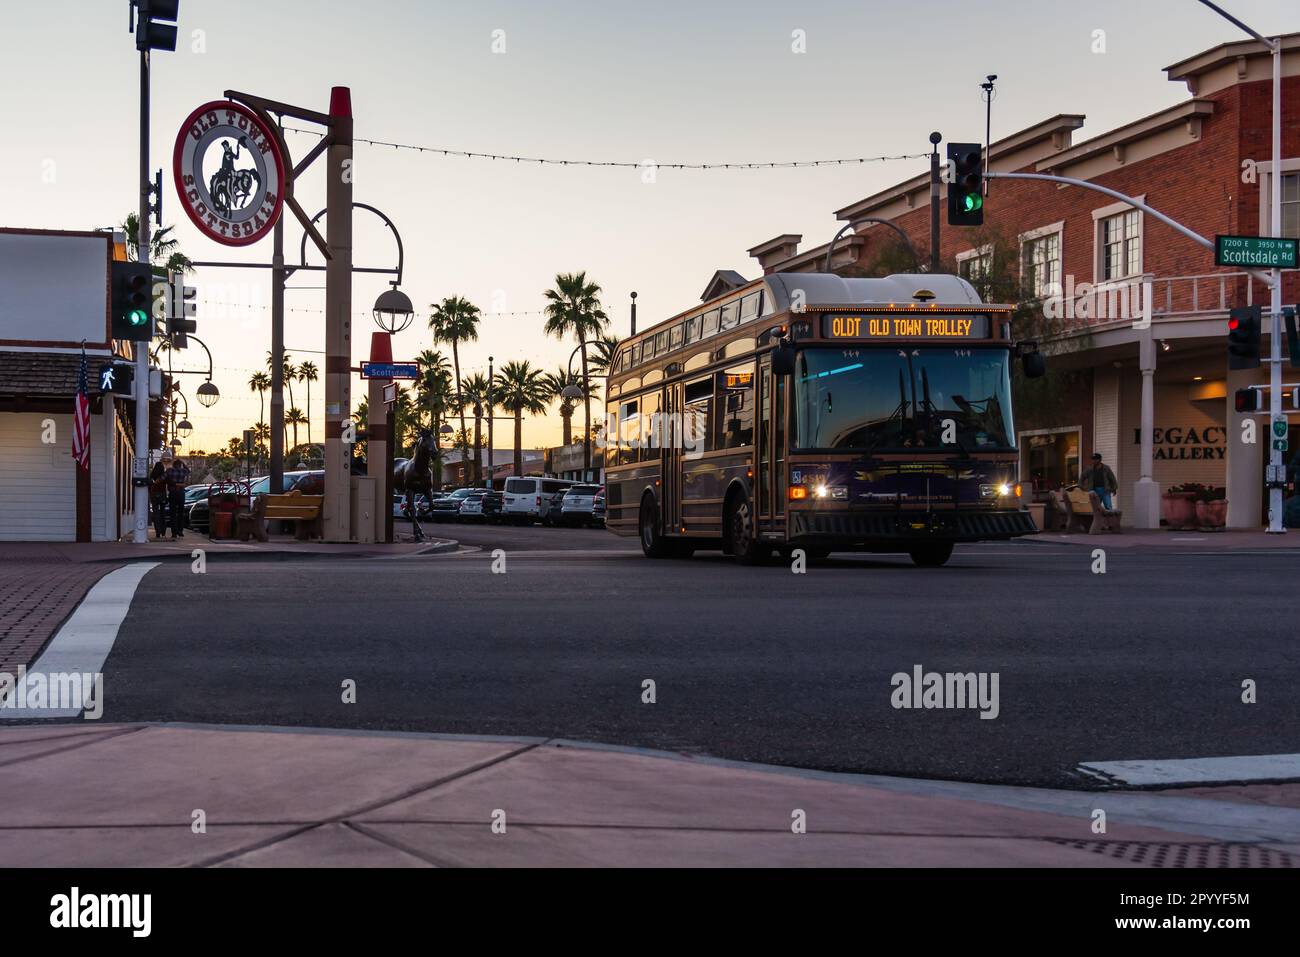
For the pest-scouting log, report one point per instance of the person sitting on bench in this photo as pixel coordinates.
(1100, 479)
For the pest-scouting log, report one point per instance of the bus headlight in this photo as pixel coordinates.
(1000, 490)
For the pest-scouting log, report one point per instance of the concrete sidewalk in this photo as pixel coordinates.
(183, 548)
(83, 794)
(1227, 541)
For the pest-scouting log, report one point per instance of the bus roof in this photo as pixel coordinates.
(827, 289)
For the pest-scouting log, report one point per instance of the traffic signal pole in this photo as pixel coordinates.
(1271, 278)
(1277, 476)
(140, 469)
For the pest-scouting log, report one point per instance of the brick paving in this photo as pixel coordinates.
(39, 589)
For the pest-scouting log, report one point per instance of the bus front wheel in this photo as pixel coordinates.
(932, 554)
(742, 533)
(653, 543)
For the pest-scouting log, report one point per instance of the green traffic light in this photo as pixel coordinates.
(137, 317)
(972, 202)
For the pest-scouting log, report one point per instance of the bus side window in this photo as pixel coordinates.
(650, 442)
(629, 432)
(749, 307)
(736, 407)
(710, 323)
(695, 417)
(731, 314)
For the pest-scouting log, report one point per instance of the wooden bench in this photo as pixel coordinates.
(1103, 519)
(1073, 509)
(303, 510)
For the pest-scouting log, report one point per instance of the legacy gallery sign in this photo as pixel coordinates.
(229, 173)
(1208, 442)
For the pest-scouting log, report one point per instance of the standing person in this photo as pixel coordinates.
(1101, 479)
(158, 494)
(178, 476)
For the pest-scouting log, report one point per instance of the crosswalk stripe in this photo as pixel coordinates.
(1227, 770)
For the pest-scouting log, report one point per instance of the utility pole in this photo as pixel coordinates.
(935, 139)
(633, 332)
(336, 512)
(143, 439)
(491, 418)
(987, 87)
(151, 33)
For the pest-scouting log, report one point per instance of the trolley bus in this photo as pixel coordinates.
(806, 410)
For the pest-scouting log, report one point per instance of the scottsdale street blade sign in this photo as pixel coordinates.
(1263, 252)
(390, 370)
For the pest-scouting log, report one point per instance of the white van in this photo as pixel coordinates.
(528, 499)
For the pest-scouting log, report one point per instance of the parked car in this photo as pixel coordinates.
(527, 499)
(445, 508)
(422, 506)
(579, 505)
(480, 506)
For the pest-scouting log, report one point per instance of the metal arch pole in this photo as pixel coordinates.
(907, 241)
(401, 252)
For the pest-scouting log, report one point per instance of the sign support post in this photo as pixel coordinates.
(336, 514)
(140, 470)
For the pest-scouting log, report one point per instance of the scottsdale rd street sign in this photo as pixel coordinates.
(390, 370)
(1264, 252)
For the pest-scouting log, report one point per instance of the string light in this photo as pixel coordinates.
(643, 164)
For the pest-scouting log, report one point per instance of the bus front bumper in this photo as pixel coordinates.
(882, 528)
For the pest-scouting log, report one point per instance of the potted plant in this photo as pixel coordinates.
(1178, 505)
(1211, 508)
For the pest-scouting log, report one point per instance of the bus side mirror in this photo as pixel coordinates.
(1031, 360)
(783, 358)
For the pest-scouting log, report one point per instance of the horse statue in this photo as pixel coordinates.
(414, 476)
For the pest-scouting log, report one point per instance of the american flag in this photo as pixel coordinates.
(81, 420)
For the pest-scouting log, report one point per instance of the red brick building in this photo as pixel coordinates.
(1207, 163)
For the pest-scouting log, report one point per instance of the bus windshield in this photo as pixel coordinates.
(875, 399)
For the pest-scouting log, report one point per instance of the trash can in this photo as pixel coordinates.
(222, 523)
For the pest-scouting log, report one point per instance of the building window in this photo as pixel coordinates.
(975, 266)
(1291, 205)
(1121, 245)
(1042, 264)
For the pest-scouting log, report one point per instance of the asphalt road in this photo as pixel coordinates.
(758, 664)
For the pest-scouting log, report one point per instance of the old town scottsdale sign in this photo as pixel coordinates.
(229, 173)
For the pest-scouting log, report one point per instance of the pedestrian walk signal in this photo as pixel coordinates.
(116, 378)
(966, 191)
(131, 301)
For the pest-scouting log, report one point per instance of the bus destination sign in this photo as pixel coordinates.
(1266, 252)
(905, 326)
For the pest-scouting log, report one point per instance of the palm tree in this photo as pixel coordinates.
(433, 388)
(308, 373)
(603, 353)
(288, 371)
(259, 382)
(556, 383)
(575, 309)
(520, 388)
(164, 249)
(474, 391)
(455, 320)
(294, 417)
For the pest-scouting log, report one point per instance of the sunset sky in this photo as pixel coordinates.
(667, 82)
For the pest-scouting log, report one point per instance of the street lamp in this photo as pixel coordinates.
(184, 428)
(393, 311)
(208, 394)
